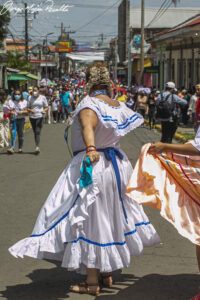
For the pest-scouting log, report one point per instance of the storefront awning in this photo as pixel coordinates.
(17, 77)
(30, 76)
(89, 56)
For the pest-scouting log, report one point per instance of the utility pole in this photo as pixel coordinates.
(130, 60)
(102, 38)
(26, 31)
(64, 37)
(115, 76)
(142, 43)
(46, 55)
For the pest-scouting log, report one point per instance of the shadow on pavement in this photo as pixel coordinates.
(157, 287)
(53, 284)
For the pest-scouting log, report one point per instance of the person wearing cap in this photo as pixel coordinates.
(157, 93)
(169, 125)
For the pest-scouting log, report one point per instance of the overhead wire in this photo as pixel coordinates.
(159, 12)
(98, 16)
(164, 11)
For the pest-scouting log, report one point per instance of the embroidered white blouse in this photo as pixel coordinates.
(113, 122)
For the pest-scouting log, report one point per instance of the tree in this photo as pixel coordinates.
(4, 21)
(16, 60)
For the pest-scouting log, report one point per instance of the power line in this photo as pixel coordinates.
(159, 12)
(165, 10)
(98, 16)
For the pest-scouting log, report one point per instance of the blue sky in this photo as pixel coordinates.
(78, 17)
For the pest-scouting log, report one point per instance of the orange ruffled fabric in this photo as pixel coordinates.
(171, 183)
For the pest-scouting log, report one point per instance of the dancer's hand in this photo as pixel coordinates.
(157, 148)
(93, 156)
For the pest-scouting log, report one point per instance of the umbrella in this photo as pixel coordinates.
(45, 82)
(82, 74)
(146, 90)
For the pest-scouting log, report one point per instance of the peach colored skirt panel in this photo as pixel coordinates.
(171, 183)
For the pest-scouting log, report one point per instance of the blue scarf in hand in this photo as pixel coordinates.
(86, 173)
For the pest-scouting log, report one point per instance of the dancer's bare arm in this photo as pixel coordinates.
(186, 149)
(89, 121)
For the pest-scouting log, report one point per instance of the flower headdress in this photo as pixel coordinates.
(98, 76)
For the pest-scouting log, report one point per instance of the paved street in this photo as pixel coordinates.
(164, 272)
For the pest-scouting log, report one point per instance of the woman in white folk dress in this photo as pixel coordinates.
(88, 222)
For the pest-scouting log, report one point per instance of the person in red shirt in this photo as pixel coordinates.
(197, 109)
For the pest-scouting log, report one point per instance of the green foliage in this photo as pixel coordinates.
(16, 60)
(4, 21)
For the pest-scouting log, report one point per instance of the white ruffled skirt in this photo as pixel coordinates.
(86, 227)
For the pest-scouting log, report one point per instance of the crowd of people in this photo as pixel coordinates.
(54, 104)
(44, 104)
(144, 100)
(170, 108)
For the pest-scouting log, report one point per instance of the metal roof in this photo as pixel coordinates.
(189, 28)
(171, 17)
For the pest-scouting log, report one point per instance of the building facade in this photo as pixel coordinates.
(129, 26)
(177, 54)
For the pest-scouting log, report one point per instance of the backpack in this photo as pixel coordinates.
(164, 108)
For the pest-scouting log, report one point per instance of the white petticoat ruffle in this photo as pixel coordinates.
(86, 227)
(121, 119)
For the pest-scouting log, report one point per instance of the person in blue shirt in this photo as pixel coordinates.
(25, 95)
(65, 104)
(169, 124)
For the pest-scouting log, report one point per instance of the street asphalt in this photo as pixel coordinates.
(165, 272)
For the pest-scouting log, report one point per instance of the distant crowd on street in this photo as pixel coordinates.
(55, 103)
(44, 104)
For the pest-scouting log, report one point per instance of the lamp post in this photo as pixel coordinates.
(142, 43)
(46, 55)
